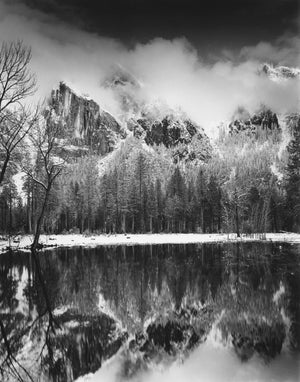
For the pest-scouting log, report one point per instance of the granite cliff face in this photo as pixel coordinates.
(84, 125)
(186, 140)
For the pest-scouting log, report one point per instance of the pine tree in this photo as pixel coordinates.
(214, 204)
(152, 207)
(200, 198)
(141, 173)
(293, 181)
(176, 201)
(159, 204)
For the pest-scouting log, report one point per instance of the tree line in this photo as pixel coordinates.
(142, 191)
(244, 187)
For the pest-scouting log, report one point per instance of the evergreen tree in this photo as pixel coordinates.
(292, 185)
(141, 172)
(152, 207)
(176, 201)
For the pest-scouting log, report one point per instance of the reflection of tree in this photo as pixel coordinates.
(139, 284)
(13, 333)
(250, 316)
(291, 304)
(8, 301)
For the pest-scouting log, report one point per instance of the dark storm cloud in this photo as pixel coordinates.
(206, 23)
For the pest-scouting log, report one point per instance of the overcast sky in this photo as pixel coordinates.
(207, 24)
(200, 55)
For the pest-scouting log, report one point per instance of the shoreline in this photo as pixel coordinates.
(80, 240)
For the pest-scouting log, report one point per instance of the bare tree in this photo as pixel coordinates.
(45, 141)
(16, 84)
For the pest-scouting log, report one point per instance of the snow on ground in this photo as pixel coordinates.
(72, 240)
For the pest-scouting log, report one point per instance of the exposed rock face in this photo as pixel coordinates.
(82, 121)
(243, 121)
(184, 138)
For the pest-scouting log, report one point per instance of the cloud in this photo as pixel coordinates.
(285, 51)
(171, 70)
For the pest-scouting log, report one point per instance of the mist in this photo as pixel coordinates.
(170, 70)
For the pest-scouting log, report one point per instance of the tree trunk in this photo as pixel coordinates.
(39, 224)
(237, 221)
(4, 167)
(123, 223)
(29, 207)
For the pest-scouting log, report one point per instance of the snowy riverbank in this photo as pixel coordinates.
(23, 242)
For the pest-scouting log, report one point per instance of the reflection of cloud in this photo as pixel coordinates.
(170, 70)
(208, 362)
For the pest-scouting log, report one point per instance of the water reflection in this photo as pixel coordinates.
(74, 308)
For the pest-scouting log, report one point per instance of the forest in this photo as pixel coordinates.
(249, 184)
(142, 190)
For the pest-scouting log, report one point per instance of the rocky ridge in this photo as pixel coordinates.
(263, 119)
(279, 73)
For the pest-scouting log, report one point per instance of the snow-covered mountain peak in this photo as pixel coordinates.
(280, 73)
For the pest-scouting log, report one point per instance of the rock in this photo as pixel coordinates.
(155, 122)
(186, 140)
(243, 121)
(84, 126)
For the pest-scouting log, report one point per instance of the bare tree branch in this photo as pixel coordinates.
(16, 84)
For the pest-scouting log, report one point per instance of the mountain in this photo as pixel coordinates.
(184, 138)
(279, 73)
(155, 122)
(84, 125)
(264, 118)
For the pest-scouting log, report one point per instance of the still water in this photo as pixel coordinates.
(206, 312)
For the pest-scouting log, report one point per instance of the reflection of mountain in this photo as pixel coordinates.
(171, 293)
